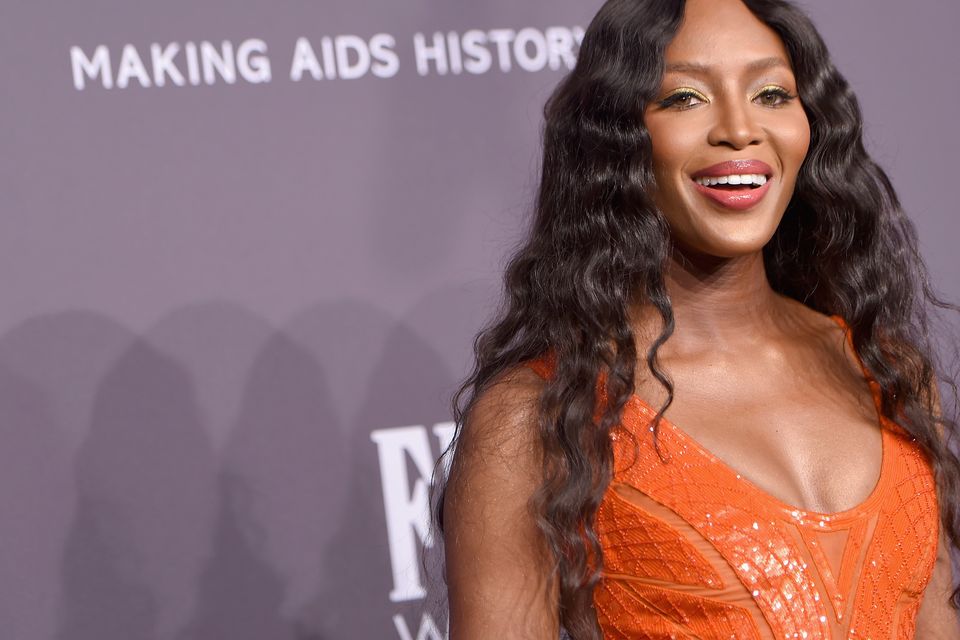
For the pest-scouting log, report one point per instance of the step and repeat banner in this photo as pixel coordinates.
(245, 248)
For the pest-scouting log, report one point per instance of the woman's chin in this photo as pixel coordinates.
(745, 243)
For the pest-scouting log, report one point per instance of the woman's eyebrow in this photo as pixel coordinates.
(696, 68)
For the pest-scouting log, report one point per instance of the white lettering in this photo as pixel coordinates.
(474, 51)
(540, 57)
(162, 62)
(386, 61)
(560, 43)
(502, 38)
(84, 67)
(220, 62)
(253, 68)
(456, 55)
(329, 57)
(406, 507)
(193, 63)
(424, 54)
(428, 628)
(352, 70)
(131, 65)
(478, 59)
(444, 431)
(304, 58)
(343, 56)
(406, 502)
(578, 34)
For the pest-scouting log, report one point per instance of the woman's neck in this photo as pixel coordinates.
(717, 301)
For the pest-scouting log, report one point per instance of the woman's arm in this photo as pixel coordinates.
(499, 568)
(937, 620)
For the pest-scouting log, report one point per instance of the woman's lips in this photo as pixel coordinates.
(738, 199)
(734, 167)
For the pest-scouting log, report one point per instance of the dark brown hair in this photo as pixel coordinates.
(598, 245)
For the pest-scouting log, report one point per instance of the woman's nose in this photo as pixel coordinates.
(735, 126)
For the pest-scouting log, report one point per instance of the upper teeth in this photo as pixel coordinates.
(747, 178)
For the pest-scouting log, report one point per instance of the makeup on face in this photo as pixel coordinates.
(728, 131)
(735, 184)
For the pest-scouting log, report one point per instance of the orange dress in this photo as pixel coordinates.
(694, 550)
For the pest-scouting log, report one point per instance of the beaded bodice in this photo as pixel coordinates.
(693, 550)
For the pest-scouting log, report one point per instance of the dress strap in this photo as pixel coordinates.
(543, 366)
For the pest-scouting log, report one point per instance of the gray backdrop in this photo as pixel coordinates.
(235, 305)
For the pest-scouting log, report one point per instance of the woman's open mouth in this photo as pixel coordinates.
(736, 184)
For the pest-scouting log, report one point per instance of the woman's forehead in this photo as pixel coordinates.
(724, 33)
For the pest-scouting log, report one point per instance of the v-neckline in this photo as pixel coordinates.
(819, 519)
(822, 520)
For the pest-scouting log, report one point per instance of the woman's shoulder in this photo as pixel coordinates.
(496, 555)
(813, 320)
(826, 348)
(516, 389)
(503, 420)
(828, 333)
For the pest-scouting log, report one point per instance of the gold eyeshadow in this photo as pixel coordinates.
(685, 91)
(768, 87)
(772, 87)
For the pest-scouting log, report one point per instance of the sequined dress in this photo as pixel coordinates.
(694, 550)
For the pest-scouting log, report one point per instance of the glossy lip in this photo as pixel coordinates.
(734, 167)
(740, 199)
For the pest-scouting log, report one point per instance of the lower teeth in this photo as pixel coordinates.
(733, 187)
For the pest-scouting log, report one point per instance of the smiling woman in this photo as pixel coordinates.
(734, 118)
(712, 248)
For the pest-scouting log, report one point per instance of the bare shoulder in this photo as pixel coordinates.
(937, 620)
(499, 567)
(501, 432)
(828, 337)
(508, 403)
(815, 323)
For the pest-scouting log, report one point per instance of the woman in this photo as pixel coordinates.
(708, 408)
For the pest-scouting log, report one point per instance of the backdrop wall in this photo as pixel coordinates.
(245, 248)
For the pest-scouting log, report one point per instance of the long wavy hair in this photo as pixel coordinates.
(598, 245)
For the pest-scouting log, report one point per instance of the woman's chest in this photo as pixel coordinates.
(802, 441)
(782, 569)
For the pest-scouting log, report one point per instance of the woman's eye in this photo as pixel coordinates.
(774, 97)
(682, 100)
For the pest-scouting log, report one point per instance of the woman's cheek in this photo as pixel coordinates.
(798, 141)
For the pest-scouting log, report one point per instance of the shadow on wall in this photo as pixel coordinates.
(274, 468)
(215, 477)
(35, 498)
(145, 480)
(408, 387)
(50, 368)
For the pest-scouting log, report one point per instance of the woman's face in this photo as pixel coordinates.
(728, 131)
